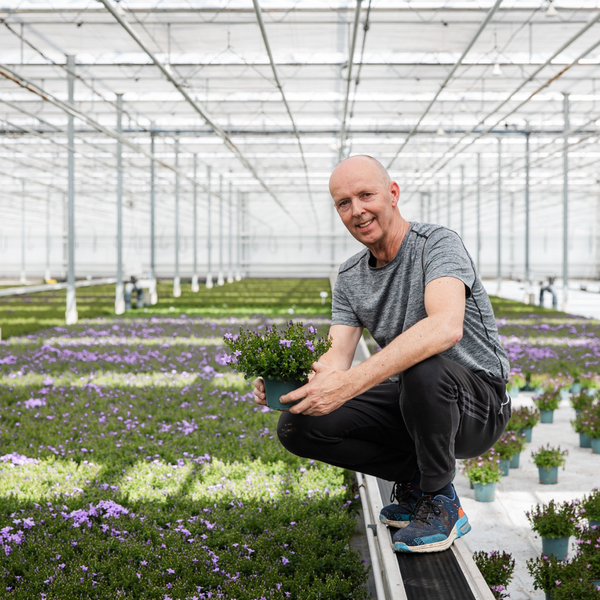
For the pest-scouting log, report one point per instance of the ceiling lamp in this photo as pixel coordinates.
(496, 70)
(440, 130)
(550, 10)
(119, 9)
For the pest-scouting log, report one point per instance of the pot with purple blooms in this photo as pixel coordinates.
(484, 473)
(547, 403)
(590, 508)
(523, 420)
(283, 359)
(590, 425)
(554, 523)
(497, 569)
(509, 448)
(547, 459)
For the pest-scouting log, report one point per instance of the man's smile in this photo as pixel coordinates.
(365, 225)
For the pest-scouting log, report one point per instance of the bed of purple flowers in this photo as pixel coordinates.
(135, 465)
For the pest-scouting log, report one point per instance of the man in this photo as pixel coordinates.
(415, 289)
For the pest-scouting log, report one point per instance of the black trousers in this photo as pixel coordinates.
(438, 411)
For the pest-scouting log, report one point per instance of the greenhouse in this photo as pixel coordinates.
(390, 207)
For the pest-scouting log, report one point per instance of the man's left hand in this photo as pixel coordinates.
(323, 394)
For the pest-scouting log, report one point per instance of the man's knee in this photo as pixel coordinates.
(423, 376)
(290, 433)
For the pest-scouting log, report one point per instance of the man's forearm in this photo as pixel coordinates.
(424, 339)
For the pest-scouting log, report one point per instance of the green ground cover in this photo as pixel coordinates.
(20, 315)
(135, 465)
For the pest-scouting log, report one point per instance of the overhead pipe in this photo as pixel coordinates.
(196, 106)
(479, 31)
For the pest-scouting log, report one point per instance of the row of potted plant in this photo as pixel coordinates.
(587, 421)
(570, 383)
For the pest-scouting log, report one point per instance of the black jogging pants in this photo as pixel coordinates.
(437, 412)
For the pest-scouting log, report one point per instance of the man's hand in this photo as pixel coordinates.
(260, 397)
(323, 394)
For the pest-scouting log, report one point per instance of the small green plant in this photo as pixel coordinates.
(517, 380)
(562, 580)
(284, 355)
(590, 505)
(545, 571)
(523, 418)
(553, 520)
(497, 569)
(590, 421)
(588, 549)
(483, 469)
(548, 400)
(509, 445)
(582, 401)
(548, 456)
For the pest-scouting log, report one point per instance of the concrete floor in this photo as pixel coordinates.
(502, 525)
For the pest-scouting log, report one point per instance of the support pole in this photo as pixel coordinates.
(48, 239)
(499, 233)
(462, 201)
(23, 278)
(209, 281)
(195, 286)
(422, 211)
(479, 214)
(438, 208)
(119, 296)
(448, 220)
(176, 279)
(238, 275)
(220, 278)
(71, 316)
(153, 289)
(230, 270)
(527, 267)
(565, 298)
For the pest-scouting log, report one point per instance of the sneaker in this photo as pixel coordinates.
(405, 496)
(436, 523)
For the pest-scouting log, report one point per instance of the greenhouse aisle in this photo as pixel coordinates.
(502, 524)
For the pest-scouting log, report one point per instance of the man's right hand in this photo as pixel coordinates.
(260, 397)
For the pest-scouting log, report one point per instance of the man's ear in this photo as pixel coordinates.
(395, 192)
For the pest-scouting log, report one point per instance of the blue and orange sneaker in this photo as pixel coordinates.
(437, 521)
(405, 496)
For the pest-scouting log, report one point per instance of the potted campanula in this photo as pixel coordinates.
(590, 508)
(554, 523)
(590, 426)
(282, 358)
(547, 459)
(484, 473)
(547, 403)
(523, 420)
(497, 569)
(509, 448)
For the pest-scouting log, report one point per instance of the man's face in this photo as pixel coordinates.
(365, 202)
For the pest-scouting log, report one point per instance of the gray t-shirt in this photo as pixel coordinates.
(389, 300)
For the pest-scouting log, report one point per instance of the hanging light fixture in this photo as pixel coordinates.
(440, 130)
(551, 10)
(497, 70)
(119, 9)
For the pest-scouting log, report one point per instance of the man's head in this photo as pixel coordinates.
(366, 199)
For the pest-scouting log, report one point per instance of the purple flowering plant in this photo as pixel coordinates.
(590, 505)
(562, 580)
(554, 520)
(497, 569)
(548, 400)
(549, 456)
(523, 417)
(589, 420)
(582, 401)
(483, 469)
(284, 354)
(510, 444)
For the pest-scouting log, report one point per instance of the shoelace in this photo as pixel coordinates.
(425, 506)
(400, 493)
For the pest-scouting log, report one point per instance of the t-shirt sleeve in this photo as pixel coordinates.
(444, 255)
(341, 310)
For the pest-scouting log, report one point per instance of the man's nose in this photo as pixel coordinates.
(357, 209)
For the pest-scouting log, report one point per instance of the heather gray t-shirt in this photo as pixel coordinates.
(389, 300)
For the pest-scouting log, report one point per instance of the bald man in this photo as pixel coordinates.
(437, 389)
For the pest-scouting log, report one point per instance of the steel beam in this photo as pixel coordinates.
(48, 238)
(565, 298)
(119, 297)
(527, 183)
(23, 278)
(499, 232)
(448, 199)
(230, 224)
(195, 105)
(349, 81)
(176, 279)
(479, 214)
(153, 286)
(220, 277)
(195, 285)
(462, 201)
(71, 316)
(209, 280)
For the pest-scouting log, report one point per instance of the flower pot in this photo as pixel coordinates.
(485, 492)
(595, 443)
(557, 546)
(584, 441)
(504, 466)
(471, 485)
(513, 392)
(537, 390)
(546, 416)
(595, 583)
(593, 522)
(548, 475)
(564, 394)
(575, 388)
(275, 388)
(526, 431)
(514, 461)
(548, 596)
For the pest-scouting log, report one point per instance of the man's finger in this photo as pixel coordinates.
(299, 408)
(298, 394)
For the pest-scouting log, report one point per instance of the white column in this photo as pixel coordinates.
(48, 239)
(209, 279)
(176, 279)
(565, 298)
(220, 277)
(153, 288)
(499, 240)
(119, 297)
(238, 275)
(71, 316)
(195, 286)
(479, 214)
(23, 278)
(230, 236)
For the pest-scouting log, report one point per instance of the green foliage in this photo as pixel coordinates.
(590, 505)
(483, 469)
(588, 549)
(589, 421)
(516, 380)
(497, 569)
(523, 418)
(553, 520)
(284, 355)
(561, 580)
(582, 401)
(548, 456)
(509, 445)
(548, 400)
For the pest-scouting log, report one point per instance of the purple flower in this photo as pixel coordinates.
(286, 343)
(284, 560)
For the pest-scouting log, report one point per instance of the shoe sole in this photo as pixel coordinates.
(462, 527)
(397, 524)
